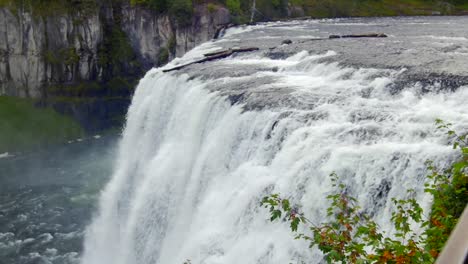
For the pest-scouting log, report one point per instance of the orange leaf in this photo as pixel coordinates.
(402, 260)
(387, 255)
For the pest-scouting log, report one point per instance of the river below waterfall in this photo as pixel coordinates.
(47, 198)
(204, 144)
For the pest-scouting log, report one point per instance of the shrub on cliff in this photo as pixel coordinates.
(234, 6)
(51, 7)
(182, 11)
(160, 6)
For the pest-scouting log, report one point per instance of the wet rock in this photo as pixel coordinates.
(429, 82)
(279, 55)
(296, 11)
(286, 42)
(451, 48)
(383, 189)
(221, 29)
(236, 98)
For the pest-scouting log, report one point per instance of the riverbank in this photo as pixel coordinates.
(24, 126)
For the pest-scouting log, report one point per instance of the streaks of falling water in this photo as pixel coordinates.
(193, 168)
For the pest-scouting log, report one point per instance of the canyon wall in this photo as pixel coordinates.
(76, 60)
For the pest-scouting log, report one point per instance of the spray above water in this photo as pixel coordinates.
(201, 148)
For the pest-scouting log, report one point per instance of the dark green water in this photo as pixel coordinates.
(48, 197)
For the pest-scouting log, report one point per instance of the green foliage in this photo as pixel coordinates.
(351, 236)
(182, 11)
(240, 20)
(67, 56)
(172, 44)
(70, 56)
(116, 55)
(51, 7)
(163, 56)
(25, 126)
(121, 50)
(160, 6)
(50, 57)
(344, 8)
(211, 7)
(234, 6)
(450, 191)
(269, 9)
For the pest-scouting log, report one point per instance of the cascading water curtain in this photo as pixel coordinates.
(193, 167)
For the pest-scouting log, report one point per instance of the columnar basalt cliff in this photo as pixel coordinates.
(77, 59)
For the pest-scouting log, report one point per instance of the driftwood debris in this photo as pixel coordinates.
(214, 56)
(371, 35)
(226, 53)
(231, 50)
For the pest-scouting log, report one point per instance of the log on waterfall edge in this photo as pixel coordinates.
(213, 56)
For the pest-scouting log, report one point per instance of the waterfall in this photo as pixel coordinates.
(195, 160)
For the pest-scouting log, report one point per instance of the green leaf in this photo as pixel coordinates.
(294, 224)
(457, 167)
(285, 204)
(275, 215)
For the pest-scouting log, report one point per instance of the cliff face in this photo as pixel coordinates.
(37, 52)
(28, 45)
(86, 63)
(150, 34)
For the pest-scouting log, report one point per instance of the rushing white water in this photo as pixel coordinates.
(192, 168)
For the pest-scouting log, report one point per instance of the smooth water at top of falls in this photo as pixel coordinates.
(193, 166)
